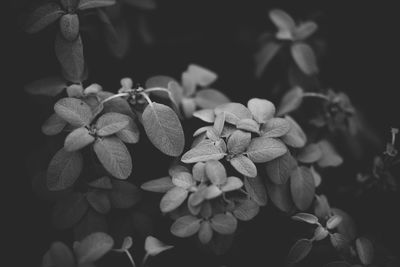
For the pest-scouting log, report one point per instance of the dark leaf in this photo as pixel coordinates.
(296, 136)
(99, 201)
(130, 134)
(224, 223)
(246, 210)
(339, 242)
(279, 169)
(53, 125)
(299, 251)
(216, 172)
(302, 187)
(93, 247)
(50, 86)
(305, 58)
(61, 255)
(291, 101)
(275, 127)
(284, 22)
(161, 185)
(144, 4)
(365, 250)
(310, 153)
(102, 183)
(267, 52)
(329, 156)
(43, 16)
(280, 196)
(255, 188)
(124, 195)
(210, 99)
(69, 210)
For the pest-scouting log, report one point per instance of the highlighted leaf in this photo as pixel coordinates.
(206, 115)
(234, 112)
(232, 183)
(305, 217)
(78, 139)
(305, 58)
(262, 149)
(153, 246)
(291, 101)
(164, 129)
(249, 125)
(261, 109)
(305, 30)
(216, 172)
(275, 127)
(173, 199)
(74, 111)
(238, 142)
(284, 22)
(161, 185)
(42, 17)
(185, 226)
(295, 137)
(244, 165)
(86, 4)
(201, 76)
(205, 151)
(280, 196)
(93, 247)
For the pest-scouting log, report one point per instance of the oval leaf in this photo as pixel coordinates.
(305, 217)
(205, 232)
(310, 154)
(216, 172)
(93, 247)
(246, 210)
(124, 195)
(53, 125)
(261, 109)
(78, 139)
(263, 149)
(238, 142)
(291, 101)
(302, 187)
(299, 251)
(210, 98)
(69, 26)
(365, 250)
(153, 246)
(224, 223)
(244, 165)
(74, 111)
(295, 137)
(86, 4)
(50, 86)
(130, 134)
(275, 127)
(305, 58)
(279, 169)
(234, 112)
(111, 123)
(69, 210)
(99, 201)
(161, 185)
(280, 196)
(173, 199)
(255, 188)
(206, 150)
(185, 226)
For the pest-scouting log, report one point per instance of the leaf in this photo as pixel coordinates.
(305, 30)
(127, 243)
(291, 101)
(234, 112)
(173, 199)
(280, 196)
(153, 246)
(255, 188)
(69, 4)
(333, 222)
(69, 210)
(42, 17)
(99, 201)
(205, 232)
(365, 250)
(50, 86)
(78, 139)
(329, 157)
(339, 241)
(206, 115)
(284, 22)
(53, 125)
(261, 109)
(216, 172)
(224, 224)
(310, 153)
(201, 76)
(321, 207)
(124, 195)
(74, 111)
(93, 247)
(232, 183)
(130, 134)
(210, 98)
(299, 251)
(210, 192)
(111, 123)
(69, 26)
(86, 4)
(118, 105)
(164, 129)
(70, 56)
(159, 81)
(218, 126)
(199, 172)
(114, 156)
(316, 175)
(91, 222)
(263, 149)
(183, 179)
(305, 217)
(244, 165)
(305, 58)
(246, 210)
(279, 169)
(238, 142)
(347, 226)
(161, 185)
(275, 127)
(320, 233)
(302, 187)
(101, 183)
(64, 169)
(185, 226)
(295, 137)
(60, 255)
(204, 151)
(248, 125)
(267, 52)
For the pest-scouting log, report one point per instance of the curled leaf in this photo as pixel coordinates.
(153, 246)
(261, 109)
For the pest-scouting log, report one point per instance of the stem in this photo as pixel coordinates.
(316, 95)
(394, 131)
(157, 89)
(144, 259)
(147, 99)
(130, 258)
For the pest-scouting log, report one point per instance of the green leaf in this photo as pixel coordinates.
(86, 4)
(50, 86)
(267, 52)
(69, 26)
(161, 185)
(60, 255)
(238, 142)
(246, 210)
(68, 211)
(185, 226)
(333, 222)
(173, 199)
(302, 187)
(295, 137)
(280, 196)
(365, 250)
(53, 125)
(205, 232)
(42, 17)
(216, 172)
(206, 150)
(70, 56)
(275, 127)
(210, 99)
(305, 217)
(64, 169)
(249, 125)
(261, 109)
(262, 149)
(310, 153)
(78, 139)
(284, 22)
(101, 183)
(232, 183)
(244, 165)
(114, 156)
(339, 241)
(153, 246)
(305, 58)
(234, 112)
(93, 247)
(305, 30)
(299, 251)
(291, 101)
(74, 111)
(224, 224)
(255, 189)
(124, 195)
(164, 129)
(206, 115)
(329, 157)
(99, 201)
(111, 123)
(279, 169)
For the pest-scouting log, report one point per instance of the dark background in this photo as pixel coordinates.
(362, 60)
